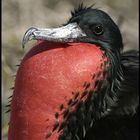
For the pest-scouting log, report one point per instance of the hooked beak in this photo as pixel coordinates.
(69, 33)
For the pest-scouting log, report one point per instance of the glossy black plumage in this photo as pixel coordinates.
(122, 123)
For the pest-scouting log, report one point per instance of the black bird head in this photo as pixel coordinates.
(98, 27)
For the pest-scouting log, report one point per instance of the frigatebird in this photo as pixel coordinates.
(76, 83)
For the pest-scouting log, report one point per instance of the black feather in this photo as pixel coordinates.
(81, 8)
(121, 120)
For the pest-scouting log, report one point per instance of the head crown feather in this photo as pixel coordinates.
(81, 8)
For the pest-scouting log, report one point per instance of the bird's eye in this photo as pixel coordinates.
(98, 30)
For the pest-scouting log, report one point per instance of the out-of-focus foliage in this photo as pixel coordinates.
(19, 15)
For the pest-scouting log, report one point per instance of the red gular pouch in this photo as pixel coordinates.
(51, 81)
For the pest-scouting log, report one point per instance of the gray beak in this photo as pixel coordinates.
(68, 33)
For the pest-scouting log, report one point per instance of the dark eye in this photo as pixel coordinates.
(98, 30)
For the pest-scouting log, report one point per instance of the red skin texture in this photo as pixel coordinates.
(46, 78)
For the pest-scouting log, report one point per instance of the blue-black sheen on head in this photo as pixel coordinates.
(99, 27)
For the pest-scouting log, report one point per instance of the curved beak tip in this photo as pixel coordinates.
(29, 35)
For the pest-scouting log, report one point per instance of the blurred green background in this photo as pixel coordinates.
(19, 15)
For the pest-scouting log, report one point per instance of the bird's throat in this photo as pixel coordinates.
(51, 80)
